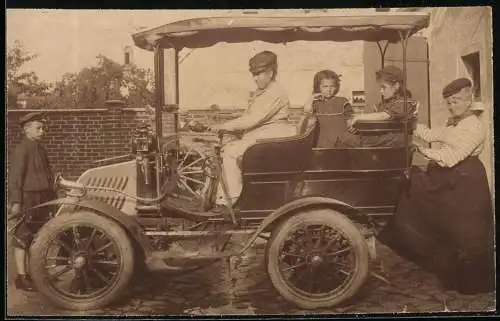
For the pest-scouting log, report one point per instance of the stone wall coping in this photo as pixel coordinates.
(127, 109)
(73, 110)
(141, 109)
(66, 110)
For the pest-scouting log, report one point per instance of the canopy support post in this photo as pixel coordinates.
(159, 90)
(171, 85)
(382, 52)
(404, 36)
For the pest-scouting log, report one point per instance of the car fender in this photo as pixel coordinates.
(127, 222)
(303, 203)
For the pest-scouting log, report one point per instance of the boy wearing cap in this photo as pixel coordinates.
(30, 183)
(266, 117)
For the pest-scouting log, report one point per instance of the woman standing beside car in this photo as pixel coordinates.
(445, 221)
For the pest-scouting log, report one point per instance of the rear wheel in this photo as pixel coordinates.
(317, 259)
(81, 261)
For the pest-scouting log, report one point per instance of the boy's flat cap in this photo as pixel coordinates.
(40, 116)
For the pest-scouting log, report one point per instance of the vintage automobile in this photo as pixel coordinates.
(319, 210)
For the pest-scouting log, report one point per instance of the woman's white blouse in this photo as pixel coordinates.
(456, 142)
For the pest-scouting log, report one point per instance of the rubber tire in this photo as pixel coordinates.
(318, 216)
(46, 236)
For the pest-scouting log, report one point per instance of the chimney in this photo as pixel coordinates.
(128, 56)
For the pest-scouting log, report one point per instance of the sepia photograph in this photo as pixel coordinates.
(249, 162)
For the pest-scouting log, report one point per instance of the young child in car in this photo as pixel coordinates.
(325, 107)
(392, 107)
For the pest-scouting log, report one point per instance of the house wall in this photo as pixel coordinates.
(219, 74)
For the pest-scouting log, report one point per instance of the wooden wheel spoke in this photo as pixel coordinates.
(292, 254)
(344, 272)
(188, 187)
(100, 275)
(342, 264)
(84, 281)
(191, 179)
(294, 266)
(329, 244)
(77, 283)
(102, 248)
(66, 269)
(58, 258)
(309, 241)
(192, 172)
(106, 262)
(76, 235)
(342, 251)
(320, 237)
(311, 278)
(190, 164)
(90, 239)
(64, 245)
(185, 158)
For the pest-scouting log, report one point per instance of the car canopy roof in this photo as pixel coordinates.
(205, 32)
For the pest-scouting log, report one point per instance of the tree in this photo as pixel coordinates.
(92, 86)
(22, 82)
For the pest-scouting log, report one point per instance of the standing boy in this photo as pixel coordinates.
(30, 183)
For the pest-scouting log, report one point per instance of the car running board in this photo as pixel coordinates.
(166, 260)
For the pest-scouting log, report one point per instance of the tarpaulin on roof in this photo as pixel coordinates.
(205, 32)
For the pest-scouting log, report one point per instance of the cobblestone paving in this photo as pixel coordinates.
(209, 291)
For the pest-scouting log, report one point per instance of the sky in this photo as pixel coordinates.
(69, 40)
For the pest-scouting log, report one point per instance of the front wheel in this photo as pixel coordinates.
(317, 259)
(81, 261)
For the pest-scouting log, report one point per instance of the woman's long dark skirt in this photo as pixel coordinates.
(444, 223)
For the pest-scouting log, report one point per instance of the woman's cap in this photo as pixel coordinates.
(455, 86)
(262, 62)
(39, 116)
(392, 73)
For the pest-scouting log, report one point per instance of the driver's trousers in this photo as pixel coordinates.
(235, 149)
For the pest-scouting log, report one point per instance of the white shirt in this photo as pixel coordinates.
(265, 106)
(456, 142)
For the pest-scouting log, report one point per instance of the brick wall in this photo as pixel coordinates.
(75, 139)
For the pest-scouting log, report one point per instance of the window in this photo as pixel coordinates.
(382, 9)
(127, 58)
(473, 65)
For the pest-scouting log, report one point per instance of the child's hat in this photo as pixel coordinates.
(39, 116)
(392, 72)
